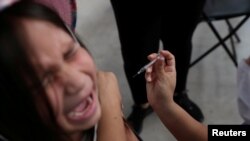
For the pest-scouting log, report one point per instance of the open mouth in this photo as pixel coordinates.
(83, 110)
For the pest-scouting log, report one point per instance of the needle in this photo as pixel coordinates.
(147, 66)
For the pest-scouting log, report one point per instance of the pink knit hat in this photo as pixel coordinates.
(62, 7)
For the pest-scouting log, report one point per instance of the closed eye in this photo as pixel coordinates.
(71, 52)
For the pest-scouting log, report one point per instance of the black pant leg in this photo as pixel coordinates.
(177, 30)
(139, 35)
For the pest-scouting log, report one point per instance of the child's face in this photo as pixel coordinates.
(68, 73)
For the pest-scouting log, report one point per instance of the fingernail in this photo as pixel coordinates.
(161, 58)
(148, 79)
(149, 70)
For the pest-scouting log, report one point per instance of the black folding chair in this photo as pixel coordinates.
(224, 10)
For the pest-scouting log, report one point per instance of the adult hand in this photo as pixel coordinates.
(161, 79)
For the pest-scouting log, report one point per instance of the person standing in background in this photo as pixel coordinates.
(141, 26)
(243, 83)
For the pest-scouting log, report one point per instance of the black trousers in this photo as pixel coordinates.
(142, 24)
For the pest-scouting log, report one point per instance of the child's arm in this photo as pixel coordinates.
(111, 126)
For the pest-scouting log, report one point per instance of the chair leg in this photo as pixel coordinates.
(221, 42)
(218, 44)
(231, 27)
(233, 49)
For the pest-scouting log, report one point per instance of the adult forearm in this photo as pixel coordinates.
(180, 123)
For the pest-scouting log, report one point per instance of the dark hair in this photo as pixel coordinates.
(19, 117)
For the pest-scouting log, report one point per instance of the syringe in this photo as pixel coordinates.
(147, 66)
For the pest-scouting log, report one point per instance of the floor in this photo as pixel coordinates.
(211, 83)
